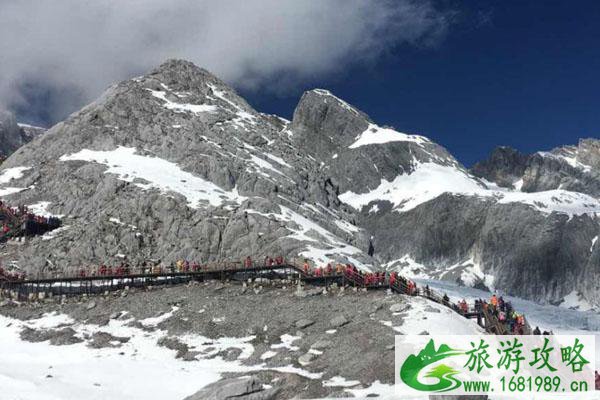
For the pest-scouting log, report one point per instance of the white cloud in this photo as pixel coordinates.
(68, 51)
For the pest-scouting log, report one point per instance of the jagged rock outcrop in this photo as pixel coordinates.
(338, 136)
(572, 168)
(14, 135)
(175, 164)
(505, 166)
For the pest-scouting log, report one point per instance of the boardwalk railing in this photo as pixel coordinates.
(103, 279)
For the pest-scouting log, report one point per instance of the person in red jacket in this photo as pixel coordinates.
(411, 287)
(248, 262)
(306, 268)
(279, 260)
(268, 261)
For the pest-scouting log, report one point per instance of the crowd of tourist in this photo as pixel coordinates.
(21, 221)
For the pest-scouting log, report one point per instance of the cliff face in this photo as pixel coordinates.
(175, 164)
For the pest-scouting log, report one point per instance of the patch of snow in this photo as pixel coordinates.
(335, 156)
(346, 226)
(50, 321)
(306, 230)
(407, 191)
(154, 321)
(472, 273)
(39, 371)
(338, 381)
(575, 301)
(594, 240)
(160, 174)
(569, 155)
(518, 184)
(182, 107)
(265, 165)
(430, 180)
(268, 354)
(377, 135)
(10, 190)
(420, 318)
(243, 116)
(286, 343)
(408, 267)
(374, 209)
(8, 175)
(278, 160)
(22, 125)
(54, 233)
(41, 208)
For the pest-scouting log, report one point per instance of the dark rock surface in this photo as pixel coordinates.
(504, 166)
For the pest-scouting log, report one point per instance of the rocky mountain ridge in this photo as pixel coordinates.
(175, 164)
(573, 168)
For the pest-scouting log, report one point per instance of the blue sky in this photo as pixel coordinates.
(519, 73)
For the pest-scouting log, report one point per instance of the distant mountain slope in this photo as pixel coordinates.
(573, 168)
(175, 164)
(14, 135)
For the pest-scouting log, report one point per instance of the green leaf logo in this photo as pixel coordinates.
(413, 365)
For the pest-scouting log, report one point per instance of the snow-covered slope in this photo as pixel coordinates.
(430, 180)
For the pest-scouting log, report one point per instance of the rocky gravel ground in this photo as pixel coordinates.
(334, 333)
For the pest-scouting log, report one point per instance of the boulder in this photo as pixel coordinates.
(304, 323)
(244, 388)
(338, 321)
(306, 358)
(321, 344)
(399, 307)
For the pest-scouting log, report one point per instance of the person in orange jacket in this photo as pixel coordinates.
(494, 300)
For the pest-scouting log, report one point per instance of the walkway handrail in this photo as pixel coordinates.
(213, 269)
